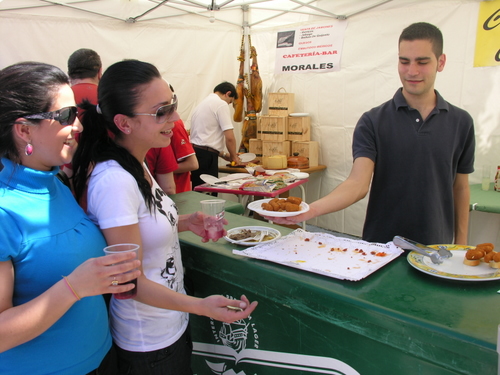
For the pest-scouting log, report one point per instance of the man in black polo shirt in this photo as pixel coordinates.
(416, 151)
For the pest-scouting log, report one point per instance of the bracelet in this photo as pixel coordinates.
(71, 288)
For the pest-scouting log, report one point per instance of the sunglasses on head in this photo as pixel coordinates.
(65, 116)
(164, 112)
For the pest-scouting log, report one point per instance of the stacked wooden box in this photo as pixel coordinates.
(281, 134)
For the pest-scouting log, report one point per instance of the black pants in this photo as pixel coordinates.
(172, 360)
(208, 162)
(109, 365)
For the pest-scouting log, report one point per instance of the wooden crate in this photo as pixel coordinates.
(274, 128)
(281, 103)
(270, 148)
(255, 147)
(309, 149)
(299, 128)
(259, 127)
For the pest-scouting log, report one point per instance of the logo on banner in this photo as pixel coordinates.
(310, 49)
(238, 343)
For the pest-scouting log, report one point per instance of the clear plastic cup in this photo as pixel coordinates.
(213, 222)
(486, 178)
(119, 248)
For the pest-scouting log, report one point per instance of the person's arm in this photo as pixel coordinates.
(461, 199)
(22, 323)
(188, 164)
(353, 189)
(231, 146)
(160, 296)
(166, 182)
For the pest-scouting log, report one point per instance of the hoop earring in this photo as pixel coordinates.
(28, 150)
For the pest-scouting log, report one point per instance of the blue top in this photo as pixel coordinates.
(416, 162)
(46, 235)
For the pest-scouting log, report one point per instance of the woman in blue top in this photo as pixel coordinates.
(53, 318)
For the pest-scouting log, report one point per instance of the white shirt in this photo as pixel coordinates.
(114, 200)
(209, 121)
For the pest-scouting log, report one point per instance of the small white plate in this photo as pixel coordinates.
(298, 114)
(245, 158)
(209, 179)
(274, 232)
(257, 207)
(300, 175)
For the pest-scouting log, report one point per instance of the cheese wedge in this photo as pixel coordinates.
(275, 162)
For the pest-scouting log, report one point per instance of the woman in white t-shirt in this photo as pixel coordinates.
(137, 106)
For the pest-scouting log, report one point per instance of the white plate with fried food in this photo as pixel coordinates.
(252, 235)
(256, 206)
(453, 268)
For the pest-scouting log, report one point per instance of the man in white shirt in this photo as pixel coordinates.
(212, 130)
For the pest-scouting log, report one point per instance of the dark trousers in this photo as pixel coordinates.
(172, 360)
(208, 162)
(109, 365)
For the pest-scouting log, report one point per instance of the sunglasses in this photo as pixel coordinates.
(164, 112)
(66, 115)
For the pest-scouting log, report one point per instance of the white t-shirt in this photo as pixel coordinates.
(114, 200)
(209, 121)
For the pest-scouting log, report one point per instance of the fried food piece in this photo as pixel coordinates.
(276, 206)
(489, 257)
(486, 247)
(486, 244)
(292, 207)
(267, 207)
(495, 261)
(294, 200)
(473, 257)
(282, 204)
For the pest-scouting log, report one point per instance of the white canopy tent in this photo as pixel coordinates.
(195, 54)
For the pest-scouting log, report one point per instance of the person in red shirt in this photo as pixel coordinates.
(85, 71)
(161, 163)
(185, 155)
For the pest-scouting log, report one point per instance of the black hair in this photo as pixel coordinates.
(224, 87)
(84, 63)
(424, 31)
(25, 88)
(119, 93)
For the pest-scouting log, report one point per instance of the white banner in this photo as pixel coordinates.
(310, 49)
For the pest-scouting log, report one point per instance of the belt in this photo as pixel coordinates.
(206, 148)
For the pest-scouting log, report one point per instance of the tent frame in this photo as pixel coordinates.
(207, 11)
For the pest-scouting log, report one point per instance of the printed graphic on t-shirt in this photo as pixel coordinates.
(169, 273)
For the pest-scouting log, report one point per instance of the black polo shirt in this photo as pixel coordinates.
(416, 162)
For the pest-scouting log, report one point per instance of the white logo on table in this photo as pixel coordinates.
(238, 343)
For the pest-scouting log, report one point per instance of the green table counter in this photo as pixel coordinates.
(485, 201)
(397, 321)
(189, 202)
